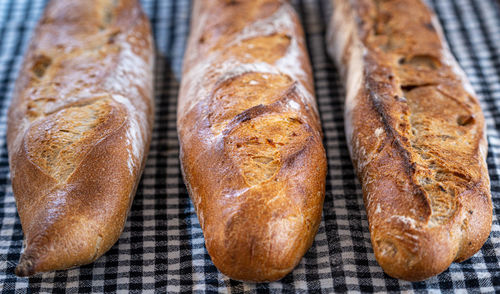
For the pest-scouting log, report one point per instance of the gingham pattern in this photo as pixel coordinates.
(162, 247)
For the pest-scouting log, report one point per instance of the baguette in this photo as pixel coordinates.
(416, 135)
(250, 137)
(79, 128)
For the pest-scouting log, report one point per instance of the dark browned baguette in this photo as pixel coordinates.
(79, 129)
(416, 135)
(250, 137)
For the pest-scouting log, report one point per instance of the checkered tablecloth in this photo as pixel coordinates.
(162, 247)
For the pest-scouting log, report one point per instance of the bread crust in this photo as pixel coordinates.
(416, 135)
(79, 129)
(250, 137)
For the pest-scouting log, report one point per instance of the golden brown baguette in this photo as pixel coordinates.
(250, 136)
(416, 135)
(79, 129)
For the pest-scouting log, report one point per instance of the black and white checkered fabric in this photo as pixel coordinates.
(162, 247)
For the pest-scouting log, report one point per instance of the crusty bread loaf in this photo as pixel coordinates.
(79, 128)
(416, 135)
(250, 136)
